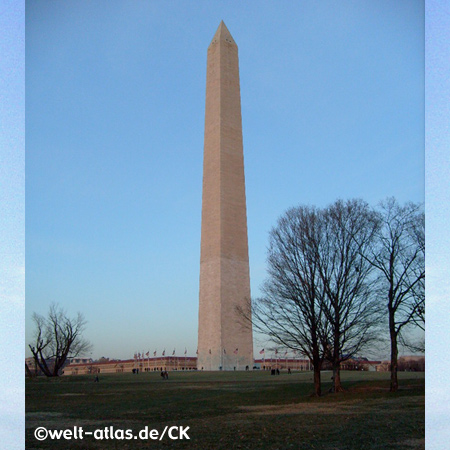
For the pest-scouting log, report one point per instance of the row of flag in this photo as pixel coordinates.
(224, 351)
(141, 355)
(262, 352)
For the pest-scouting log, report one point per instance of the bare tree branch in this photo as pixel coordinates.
(398, 254)
(57, 337)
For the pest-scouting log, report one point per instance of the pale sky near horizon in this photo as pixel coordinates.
(12, 203)
(332, 106)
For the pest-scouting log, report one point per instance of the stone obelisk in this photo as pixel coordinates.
(223, 341)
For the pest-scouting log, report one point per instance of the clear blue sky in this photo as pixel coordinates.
(332, 104)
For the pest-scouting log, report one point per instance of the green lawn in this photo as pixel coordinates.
(232, 410)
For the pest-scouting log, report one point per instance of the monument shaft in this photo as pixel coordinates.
(224, 268)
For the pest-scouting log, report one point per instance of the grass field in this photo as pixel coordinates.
(232, 410)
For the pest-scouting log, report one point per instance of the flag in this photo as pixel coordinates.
(185, 350)
(164, 352)
(154, 353)
(285, 353)
(139, 356)
(236, 351)
(148, 354)
(173, 353)
(261, 352)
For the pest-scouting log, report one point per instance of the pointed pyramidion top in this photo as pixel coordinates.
(222, 34)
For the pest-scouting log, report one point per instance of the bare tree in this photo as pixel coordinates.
(418, 239)
(349, 304)
(317, 298)
(399, 256)
(410, 340)
(57, 337)
(289, 311)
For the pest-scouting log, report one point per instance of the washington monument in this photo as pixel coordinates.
(223, 343)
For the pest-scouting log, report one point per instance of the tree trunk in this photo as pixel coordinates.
(336, 364)
(394, 356)
(40, 362)
(56, 367)
(337, 387)
(317, 385)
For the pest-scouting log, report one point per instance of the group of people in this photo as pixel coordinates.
(165, 375)
(277, 371)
